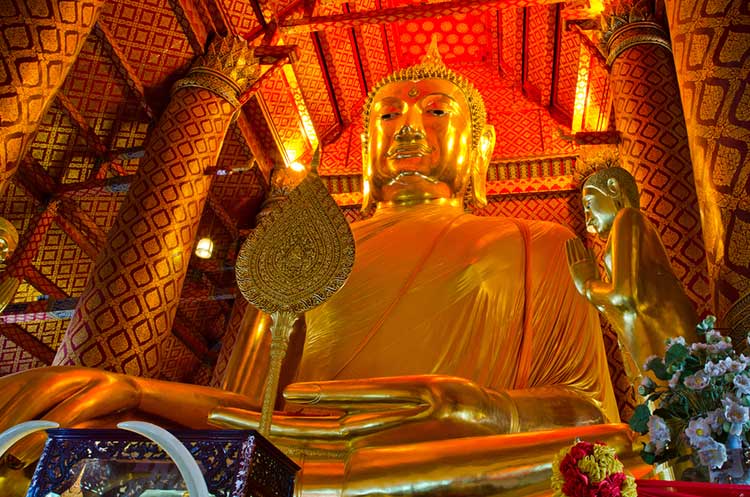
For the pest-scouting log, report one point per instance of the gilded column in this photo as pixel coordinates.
(654, 145)
(711, 43)
(39, 41)
(130, 299)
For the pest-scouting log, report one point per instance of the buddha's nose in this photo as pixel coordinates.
(409, 133)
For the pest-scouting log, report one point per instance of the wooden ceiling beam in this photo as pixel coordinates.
(89, 134)
(62, 307)
(189, 19)
(43, 284)
(28, 342)
(214, 203)
(404, 13)
(122, 65)
(33, 178)
(81, 228)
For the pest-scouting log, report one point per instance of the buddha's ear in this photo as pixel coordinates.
(615, 191)
(613, 187)
(481, 162)
(366, 175)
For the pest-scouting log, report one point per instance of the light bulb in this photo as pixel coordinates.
(204, 248)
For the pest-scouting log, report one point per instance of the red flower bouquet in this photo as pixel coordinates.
(590, 470)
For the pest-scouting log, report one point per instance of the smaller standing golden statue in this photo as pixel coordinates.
(300, 254)
(641, 296)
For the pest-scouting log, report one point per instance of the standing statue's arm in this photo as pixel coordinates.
(624, 240)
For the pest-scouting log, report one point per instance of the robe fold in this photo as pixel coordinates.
(437, 291)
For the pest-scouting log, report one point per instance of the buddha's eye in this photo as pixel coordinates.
(389, 115)
(437, 112)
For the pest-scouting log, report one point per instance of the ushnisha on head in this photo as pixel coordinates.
(607, 188)
(425, 135)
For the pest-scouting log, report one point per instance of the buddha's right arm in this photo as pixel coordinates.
(73, 396)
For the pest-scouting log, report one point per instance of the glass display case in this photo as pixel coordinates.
(117, 463)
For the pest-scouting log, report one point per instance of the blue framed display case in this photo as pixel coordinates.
(118, 463)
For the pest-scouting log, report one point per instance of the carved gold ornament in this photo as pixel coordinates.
(300, 254)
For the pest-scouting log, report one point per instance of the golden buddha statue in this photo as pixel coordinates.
(457, 359)
(641, 296)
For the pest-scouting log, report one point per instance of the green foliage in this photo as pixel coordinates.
(638, 421)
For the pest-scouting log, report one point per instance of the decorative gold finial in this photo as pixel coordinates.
(432, 56)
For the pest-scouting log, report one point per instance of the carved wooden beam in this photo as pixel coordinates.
(43, 284)
(28, 342)
(123, 66)
(89, 135)
(396, 14)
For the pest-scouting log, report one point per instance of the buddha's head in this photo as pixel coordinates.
(425, 136)
(8, 239)
(604, 193)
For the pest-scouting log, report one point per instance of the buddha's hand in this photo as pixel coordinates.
(378, 404)
(389, 407)
(582, 265)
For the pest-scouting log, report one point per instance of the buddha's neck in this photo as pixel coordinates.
(444, 203)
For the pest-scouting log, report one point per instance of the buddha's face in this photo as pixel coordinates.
(420, 142)
(600, 209)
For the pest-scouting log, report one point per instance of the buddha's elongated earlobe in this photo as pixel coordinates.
(366, 176)
(481, 161)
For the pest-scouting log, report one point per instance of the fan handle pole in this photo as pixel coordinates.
(281, 330)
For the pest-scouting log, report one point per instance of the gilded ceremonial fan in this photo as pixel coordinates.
(299, 255)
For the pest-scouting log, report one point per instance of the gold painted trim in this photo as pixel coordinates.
(635, 33)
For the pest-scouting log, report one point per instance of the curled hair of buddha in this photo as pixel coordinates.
(432, 67)
(596, 171)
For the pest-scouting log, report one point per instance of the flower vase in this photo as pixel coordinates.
(735, 470)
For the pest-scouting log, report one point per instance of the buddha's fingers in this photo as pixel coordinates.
(318, 427)
(352, 395)
(577, 251)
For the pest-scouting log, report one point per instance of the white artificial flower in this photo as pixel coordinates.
(713, 454)
(675, 379)
(697, 381)
(714, 369)
(698, 431)
(696, 346)
(736, 366)
(734, 412)
(674, 340)
(659, 433)
(715, 419)
(742, 383)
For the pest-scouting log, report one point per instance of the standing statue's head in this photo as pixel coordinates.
(426, 135)
(607, 189)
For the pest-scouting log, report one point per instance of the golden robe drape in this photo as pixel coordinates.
(437, 291)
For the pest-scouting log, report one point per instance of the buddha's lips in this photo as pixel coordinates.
(410, 150)
(405, 177)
